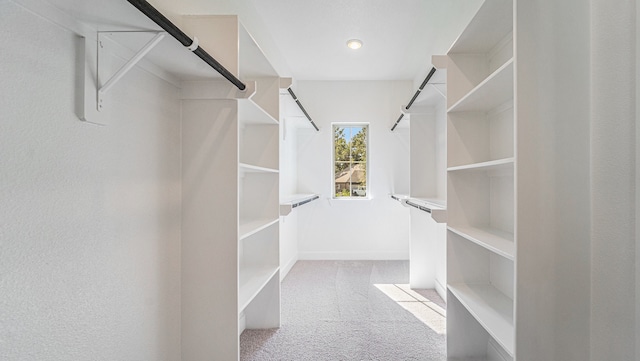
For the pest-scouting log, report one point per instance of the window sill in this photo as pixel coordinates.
(352, 199)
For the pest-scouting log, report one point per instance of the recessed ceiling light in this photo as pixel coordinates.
(354, 44)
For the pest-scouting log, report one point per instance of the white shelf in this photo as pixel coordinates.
(250, 227)
(252, 281)
(496, 241)
(251, 113)
(295, 200)
(249, 168)
(490, 165)
(435, 207)
(492, 22)
(495, 90)
(492, 309)
(399, 197)
(431, 203)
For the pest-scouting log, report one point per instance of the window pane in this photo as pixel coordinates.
(359, 180)
(358, 144)
(350, 160)
(340, 143)
(343, 180)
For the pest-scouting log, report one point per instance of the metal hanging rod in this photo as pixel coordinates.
(422, 208)
(304, 202)
(293, 95)
(179, 35)
(424, 83)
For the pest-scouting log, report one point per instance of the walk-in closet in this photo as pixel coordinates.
(245, 180)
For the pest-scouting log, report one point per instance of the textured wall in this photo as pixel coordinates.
(613, 187)
(89, 216)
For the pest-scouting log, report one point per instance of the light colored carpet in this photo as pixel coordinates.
(351, 310)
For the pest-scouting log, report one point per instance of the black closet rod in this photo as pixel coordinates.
(424, 83)
(174, 31)
(293, 95)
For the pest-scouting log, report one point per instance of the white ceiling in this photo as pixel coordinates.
(306, 39)
(399, 36)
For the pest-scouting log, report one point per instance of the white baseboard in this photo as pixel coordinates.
(442, 290)
(353, 256)
(496, 353)
(285, 270)
(242, 323)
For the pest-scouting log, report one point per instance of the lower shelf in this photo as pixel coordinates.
(251, 283)
(491, 308)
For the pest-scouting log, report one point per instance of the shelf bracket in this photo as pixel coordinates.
(102, 91)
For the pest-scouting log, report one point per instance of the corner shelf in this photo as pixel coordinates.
(492, 309)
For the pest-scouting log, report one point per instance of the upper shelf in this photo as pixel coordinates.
(132, 29)
(492, 22)
(494, 91)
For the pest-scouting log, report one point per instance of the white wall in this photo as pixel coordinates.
(89, 222)
(377, 228)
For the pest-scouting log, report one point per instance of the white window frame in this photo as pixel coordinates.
(333, 159)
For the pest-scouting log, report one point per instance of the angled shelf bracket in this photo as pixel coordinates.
(102, 91)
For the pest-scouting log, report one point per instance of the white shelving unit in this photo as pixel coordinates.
(481, 162)
(231, 240)
(426, 119)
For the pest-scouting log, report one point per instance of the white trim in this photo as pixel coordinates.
(284, 271)
(353, 256)
(441, 290)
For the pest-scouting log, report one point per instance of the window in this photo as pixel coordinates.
(350, 150)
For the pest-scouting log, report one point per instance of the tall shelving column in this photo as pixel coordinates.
(480, 187)
(427, 121)
(230, 243)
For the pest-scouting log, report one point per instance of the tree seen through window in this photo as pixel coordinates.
(350, 160)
